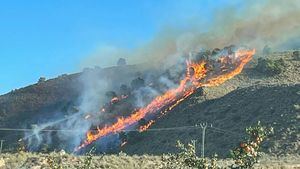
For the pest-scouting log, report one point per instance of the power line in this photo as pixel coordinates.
(226, 131)
(203, 126)
(125, 130)
(72, 130)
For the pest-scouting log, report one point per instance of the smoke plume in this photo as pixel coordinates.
(252, 23)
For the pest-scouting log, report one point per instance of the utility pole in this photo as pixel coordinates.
(1, 144)
(203, 126)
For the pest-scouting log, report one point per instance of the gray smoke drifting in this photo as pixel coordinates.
(254, 24)
(71, 129)
(65, 128)
(93, 92)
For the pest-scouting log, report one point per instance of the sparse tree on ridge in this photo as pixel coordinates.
(121, 62)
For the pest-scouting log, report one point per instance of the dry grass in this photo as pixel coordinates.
(122, 161)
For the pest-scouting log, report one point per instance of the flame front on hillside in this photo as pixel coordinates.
(198, 74)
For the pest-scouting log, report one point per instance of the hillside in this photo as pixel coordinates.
(232, 106)
(37, 99)
(232, 113)
(24, 107)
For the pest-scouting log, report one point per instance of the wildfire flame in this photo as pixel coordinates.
(196, 77)
(145, 127)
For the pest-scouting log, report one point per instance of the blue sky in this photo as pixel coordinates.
(51, 37)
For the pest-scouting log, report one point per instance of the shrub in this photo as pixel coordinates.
(137, 83)
(202, 55)
(244, 156)
(110, 94)
(296, 55)
(271, 67)
(88, 159)
(124, 90)
(248, 152)
(42, 79)
(215, 51)
(267, 50)
(123, 137)
(187, 158)
(21, 146)
(142, 122)
(54, 162)
(121, 62)
(45, 148)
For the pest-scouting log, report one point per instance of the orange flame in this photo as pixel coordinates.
(196, 72)
(145, 127)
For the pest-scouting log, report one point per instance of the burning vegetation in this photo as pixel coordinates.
(207, 70)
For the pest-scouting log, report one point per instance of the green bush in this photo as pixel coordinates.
(187, 158)
(296, 55)
(248, 151)
(267, 50)
(88, 159)
(269, 66)
(244, 156)
(42, 79)
(55, 162)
